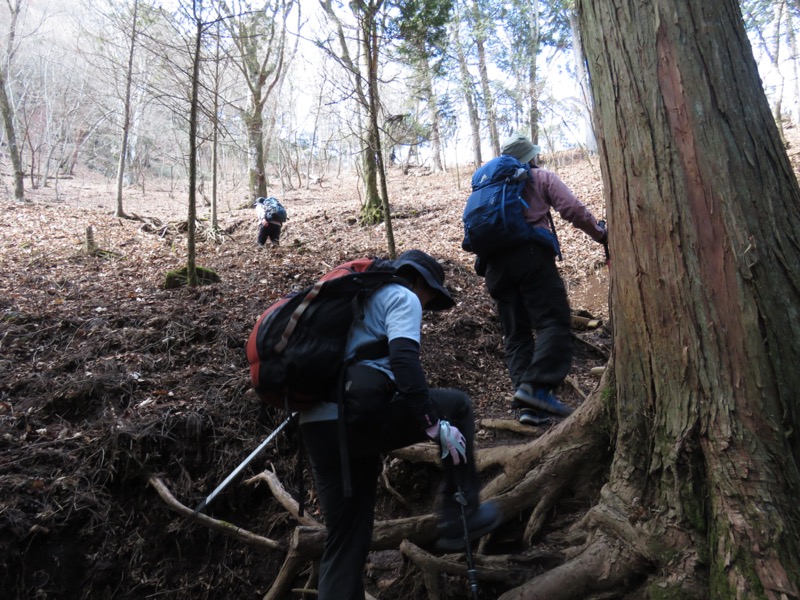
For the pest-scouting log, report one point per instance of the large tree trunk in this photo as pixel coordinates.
(703, 206)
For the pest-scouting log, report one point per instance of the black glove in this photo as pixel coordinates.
(480, 266)
(604, 238)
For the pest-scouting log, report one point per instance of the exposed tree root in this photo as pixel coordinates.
(509, 425)
(570, 459)
(605, 564)
(488, 568)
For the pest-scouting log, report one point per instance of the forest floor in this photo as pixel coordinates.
(107, 378)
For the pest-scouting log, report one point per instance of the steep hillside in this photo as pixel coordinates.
(107, 378)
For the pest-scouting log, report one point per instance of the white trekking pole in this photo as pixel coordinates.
(244, 464)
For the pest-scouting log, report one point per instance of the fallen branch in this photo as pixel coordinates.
(283, 497)
(574, 384)
(290, 569)
(600, 350)
(222, 526)
(579, 322)
(390, 488)
(309, 542)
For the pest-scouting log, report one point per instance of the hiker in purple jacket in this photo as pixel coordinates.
(530, 294)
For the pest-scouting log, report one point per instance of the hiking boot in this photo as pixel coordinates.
(529, 416)
(480, 521)
(542, 399)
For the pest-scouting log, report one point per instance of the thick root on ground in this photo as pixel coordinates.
(605, 564)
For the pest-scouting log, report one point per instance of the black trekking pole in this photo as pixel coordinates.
(244, 463)
(472, 574)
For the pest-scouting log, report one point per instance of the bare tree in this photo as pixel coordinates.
(126, 106)
(467, 85)
(262, 47)
(481, 28)
(15, 7)
(370, 26)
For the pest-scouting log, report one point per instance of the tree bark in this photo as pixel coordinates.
(260, 38)
(433, 107)
(479, 24)
(468, 91)
(702, 205)
(372, 209)
(126, 111)
(6, 106)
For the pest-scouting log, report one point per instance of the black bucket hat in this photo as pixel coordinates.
(432, 272)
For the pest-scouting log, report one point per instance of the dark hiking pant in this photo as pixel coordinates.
(530, 296)
(349, 521)
(272, 231)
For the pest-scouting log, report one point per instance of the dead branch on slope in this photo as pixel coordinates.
(221, 526)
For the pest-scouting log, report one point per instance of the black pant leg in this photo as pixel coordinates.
(348, 521)
(530, 295)
(263, 234)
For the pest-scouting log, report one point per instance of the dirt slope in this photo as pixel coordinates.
(105, 377)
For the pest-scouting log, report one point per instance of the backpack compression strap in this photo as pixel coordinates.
(295, 318)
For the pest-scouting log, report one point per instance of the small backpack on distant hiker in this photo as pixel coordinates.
(273, 210)
(296, 349)
(493, 217)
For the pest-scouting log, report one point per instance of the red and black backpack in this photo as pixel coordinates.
(296, 349)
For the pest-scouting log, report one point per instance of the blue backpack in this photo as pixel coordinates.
(274, 210)
(493, 217)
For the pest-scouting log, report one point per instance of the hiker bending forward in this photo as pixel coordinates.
(271, 216)
(387, 405)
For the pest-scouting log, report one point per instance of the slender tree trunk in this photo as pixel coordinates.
(191, 267)
(215, 133)
(255, 148)
(260, 40)
(371, 53)
(703, 207)
(433, 106)
(468, 90)
(7, 108)
(483, 70)
(533, 88)
(11, 138)
(126, 112)
(795, 54)
(372, 209)
(583, 82)
(777, 110)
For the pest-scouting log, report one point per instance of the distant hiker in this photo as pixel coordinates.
(388, 405)
(530, 294)
(271, 217)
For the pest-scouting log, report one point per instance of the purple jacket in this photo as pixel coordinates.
(545, 190)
